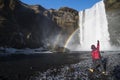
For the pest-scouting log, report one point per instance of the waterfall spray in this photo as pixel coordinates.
(94, 26)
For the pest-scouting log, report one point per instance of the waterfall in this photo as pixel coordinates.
(94, 26)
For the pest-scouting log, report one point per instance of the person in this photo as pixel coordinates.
(96, 58)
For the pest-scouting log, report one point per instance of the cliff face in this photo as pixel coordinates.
(33, 26)
(113, 16)
(112, 4)
(22, 25)
(67, 19)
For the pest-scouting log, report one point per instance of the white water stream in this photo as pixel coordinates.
(94, 26)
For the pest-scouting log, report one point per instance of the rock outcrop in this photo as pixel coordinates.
(67, 19)
(32, 26)
(113, 16)
(23, 25)
(112, 4)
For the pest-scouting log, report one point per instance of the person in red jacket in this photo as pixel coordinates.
(96, 57)
(95, 51)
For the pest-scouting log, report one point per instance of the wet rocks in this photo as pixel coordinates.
(116, 72)
(80, 71)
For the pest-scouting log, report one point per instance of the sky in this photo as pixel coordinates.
(56, 4)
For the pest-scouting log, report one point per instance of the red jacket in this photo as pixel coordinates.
(96, 52)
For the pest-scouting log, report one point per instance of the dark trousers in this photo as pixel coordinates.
(97, 65)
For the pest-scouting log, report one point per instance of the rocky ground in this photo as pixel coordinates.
(57, 66)
(80, 71)
(22, 66)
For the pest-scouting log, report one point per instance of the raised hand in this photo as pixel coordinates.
(98, 41)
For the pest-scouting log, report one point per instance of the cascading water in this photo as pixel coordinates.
(93, 26)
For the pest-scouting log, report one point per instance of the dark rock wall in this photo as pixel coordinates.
(23, 25)
(8, 25)
(33, 26)
(112, 4)
(67, 19)
(113, 16)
